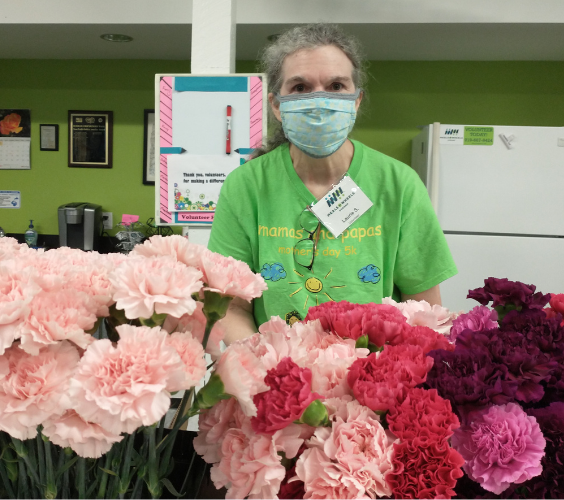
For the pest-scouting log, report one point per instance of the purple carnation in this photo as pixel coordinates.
(527, 365)
(478, 319)
(469, 378)
(507, 295)
(502, 446)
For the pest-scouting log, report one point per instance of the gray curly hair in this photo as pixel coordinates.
(308, 36)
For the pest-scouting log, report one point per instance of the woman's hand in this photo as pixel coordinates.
(239, 322)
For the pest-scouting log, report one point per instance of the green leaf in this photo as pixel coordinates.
(66, 467)
(170, 487)
(112, 473)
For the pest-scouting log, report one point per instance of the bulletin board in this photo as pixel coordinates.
(196, 150)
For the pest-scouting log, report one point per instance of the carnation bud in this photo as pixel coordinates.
(315, 414)
(502, 310)
(362, 342)
(211, 394)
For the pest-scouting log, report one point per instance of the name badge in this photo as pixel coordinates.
(341, 206)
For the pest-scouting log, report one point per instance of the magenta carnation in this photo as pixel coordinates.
(501, 446)
(478, 319)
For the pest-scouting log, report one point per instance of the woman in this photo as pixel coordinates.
(395, 249)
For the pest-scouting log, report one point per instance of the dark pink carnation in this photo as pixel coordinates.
(501, 446)
(477, 319)
(427, 338)
(507, 294)
(289, 395)
(381, 382)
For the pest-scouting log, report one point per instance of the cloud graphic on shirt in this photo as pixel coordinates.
(369, 274)
(273, 272)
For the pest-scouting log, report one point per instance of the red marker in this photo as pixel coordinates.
(228, 137)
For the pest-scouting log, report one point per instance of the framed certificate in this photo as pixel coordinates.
(49, 137)
(149, 148)
(90, 139)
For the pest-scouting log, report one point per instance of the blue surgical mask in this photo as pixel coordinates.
(318, 123)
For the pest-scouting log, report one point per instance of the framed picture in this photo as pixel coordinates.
(49, 137)
(90, 139)
(149, 148)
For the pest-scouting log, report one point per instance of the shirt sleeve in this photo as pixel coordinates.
(423, 257)
(228, 235)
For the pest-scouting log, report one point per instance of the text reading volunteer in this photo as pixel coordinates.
(265, 213)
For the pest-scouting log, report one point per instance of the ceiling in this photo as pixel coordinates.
(389, 29)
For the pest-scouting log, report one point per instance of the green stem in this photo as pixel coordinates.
(185, 482)
(153, 480)
(125, 477)
(104, 480)
(81, 477)
(5, 480)
(51, 489)
(22, 452)
(23, 488)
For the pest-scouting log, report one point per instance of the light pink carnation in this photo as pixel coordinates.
(242, 374)
(34, 388)
(251, 466)
(357, 446)
(10, 248)
(213, 426)
(421, 313)
(228, 276)
(55, 316)
(501, 446)
(88, 440)
(195, 324)
(127, 386)
(175, 246)
(192, 355)
(478, 319)
(155, 284)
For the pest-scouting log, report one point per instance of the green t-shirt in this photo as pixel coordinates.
(397, 245)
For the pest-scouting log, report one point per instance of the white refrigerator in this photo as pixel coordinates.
(498, 192)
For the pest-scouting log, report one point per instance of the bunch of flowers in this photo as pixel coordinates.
(331, 408)
(504, 380)
(91, 348)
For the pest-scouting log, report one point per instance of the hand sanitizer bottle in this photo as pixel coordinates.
(31, 235)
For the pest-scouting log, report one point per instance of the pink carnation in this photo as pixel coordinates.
(242, 374)
(213, 426)
(10, 248)
(251, 466)
(155, 284)
(228, 276)
(195, 324)
(34, 388)
(502, 446)
(421, 313)
(58, 315)
(15, 296)
(127, 386)
(86, 439)
(175, 246)
(478, 319)
(356, 448)
(192, 355)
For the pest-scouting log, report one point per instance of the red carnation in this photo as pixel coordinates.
(384, 324)
(381, 382)
(424, 470)
(557, 302)
(289, 395)
(424, 415)
(427, 338)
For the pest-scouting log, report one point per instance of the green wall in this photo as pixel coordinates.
(402, 95)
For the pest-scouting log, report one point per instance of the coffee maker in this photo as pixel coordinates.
(80, 225)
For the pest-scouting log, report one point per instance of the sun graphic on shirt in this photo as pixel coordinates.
(315, 287)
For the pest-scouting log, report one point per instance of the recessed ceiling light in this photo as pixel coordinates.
(273, 38)
(116, 38)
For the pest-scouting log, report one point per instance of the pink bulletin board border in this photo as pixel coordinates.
(257, 86)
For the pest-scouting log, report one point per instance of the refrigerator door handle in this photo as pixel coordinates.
(435, 165)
